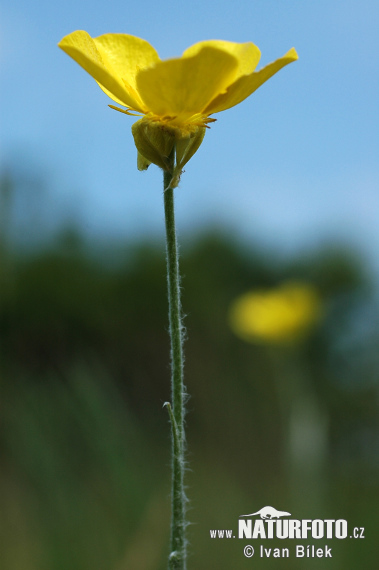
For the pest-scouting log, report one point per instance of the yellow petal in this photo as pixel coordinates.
(82, 48)
(246, 85)
(247, 54)
(186, 85)
(126, 55)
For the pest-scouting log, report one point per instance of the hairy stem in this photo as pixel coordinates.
(177, 558)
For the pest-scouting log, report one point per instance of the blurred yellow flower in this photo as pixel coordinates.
(175, 97)
(276, 316)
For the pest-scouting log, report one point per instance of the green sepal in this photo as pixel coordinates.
(154, 143)
(185, 149)
(142, 162)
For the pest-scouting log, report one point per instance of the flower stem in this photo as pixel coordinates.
(178, 554)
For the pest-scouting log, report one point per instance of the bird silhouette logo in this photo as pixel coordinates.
(269, 513)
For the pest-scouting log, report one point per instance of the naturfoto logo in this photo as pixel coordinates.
(271, 523)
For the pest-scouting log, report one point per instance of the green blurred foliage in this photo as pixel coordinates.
(84, 441)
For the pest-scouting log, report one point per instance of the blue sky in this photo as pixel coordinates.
(294, 165)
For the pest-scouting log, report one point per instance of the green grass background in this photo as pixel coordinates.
(84, 440)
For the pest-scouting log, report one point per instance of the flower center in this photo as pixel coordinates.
(180, 125)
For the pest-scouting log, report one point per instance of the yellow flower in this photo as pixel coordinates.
(276, 316)
(175, 97)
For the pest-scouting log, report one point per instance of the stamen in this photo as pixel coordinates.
(126, 111)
